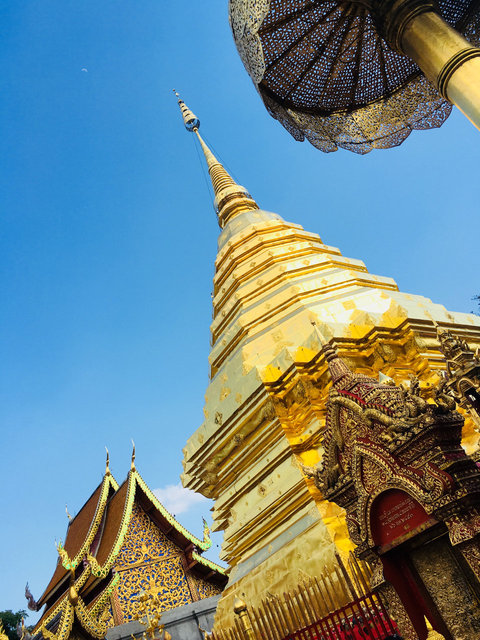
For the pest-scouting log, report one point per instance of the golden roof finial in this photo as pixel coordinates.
(132, 466)
(107, 463)
(68, 515)
(319, 334)
(239, 605)
(230, 197)
(432, 634)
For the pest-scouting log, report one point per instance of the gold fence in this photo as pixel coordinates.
(321, 607)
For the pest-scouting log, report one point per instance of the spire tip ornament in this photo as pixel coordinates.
(230, 197)
(190, 120)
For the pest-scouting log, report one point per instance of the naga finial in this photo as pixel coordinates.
(206, 532)
(32, 604)
(67, 562)
(132, 467)
(22, 631)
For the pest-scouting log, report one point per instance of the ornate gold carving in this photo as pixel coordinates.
(448, 587)
(205, 589)
(144, 542)
(397, 611)
(166, 580)
(148, 603)
(150, 563)
(382, 437)
(471, 553)
(463, 527)
(462, 378)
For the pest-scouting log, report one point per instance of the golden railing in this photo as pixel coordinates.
(322, 607)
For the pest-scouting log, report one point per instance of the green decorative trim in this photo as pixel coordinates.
(204, 544)
(208, 563)
(66, 623)
(133, 479)
(58, 609)
(108, 481)
(96, 569)
(81, 580)
(127, 512)
(94, 627)
(65, 608)
(64, 602)
(86, 618)
(103, 600)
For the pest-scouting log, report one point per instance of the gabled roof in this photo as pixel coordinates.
(118, 514)
(81, 531)
(94, 538)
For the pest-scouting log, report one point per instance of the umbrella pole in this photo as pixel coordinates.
(446, 58)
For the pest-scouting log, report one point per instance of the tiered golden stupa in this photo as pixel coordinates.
(264, 418)
(121, 546)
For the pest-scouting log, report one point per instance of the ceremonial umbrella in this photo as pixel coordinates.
(349, 73)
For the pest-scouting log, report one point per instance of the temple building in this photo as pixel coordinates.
(123, 549)
(275, 286)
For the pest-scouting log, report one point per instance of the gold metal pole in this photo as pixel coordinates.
(415, 29)
(240, 609)
(447, 59)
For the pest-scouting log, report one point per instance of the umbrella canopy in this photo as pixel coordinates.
(326, 74)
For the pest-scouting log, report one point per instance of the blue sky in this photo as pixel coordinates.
(108, 237)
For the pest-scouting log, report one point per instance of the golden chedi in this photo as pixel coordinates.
(264, 418)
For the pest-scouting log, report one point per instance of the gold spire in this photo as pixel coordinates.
(230, 197)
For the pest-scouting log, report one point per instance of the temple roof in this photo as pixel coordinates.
(82, 530)
(94, 538)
